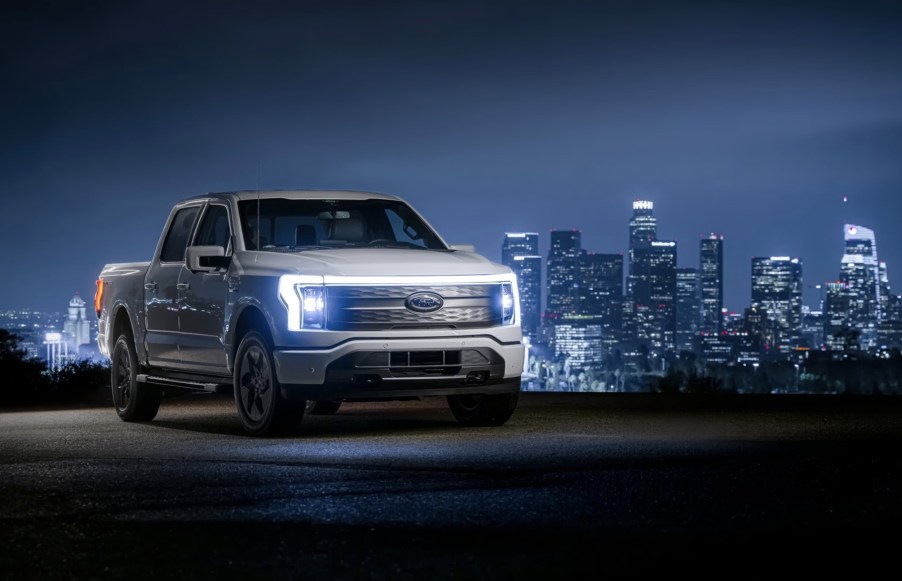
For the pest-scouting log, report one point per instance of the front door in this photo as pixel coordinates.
(202, 300)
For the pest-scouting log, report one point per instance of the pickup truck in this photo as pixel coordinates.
(297, 301)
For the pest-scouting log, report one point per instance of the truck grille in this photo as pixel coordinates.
(384, 307)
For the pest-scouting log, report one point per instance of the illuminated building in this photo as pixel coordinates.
(563, 274)
(711, 283)
(838, 335)
(777, 288)
(687, 308)
(519, 244)
(643, 230)
(654, 294)
(601, 294)
(716, 348)
(860, 272)
(643, 225)
(578, 341)
(812, 328)
(520, 252)
(76, 327)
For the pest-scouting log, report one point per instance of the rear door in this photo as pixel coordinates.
(161, 307)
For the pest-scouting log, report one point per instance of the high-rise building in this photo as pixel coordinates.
(687, 308)
(578, 342)
(519, 244)
(643, 225)
(777, 288)
(563, 274)
(838, 334)
(76, 327)
(601, 294)
(654, 294)
(860, 271)
(643, 230)
(711, 283)
(520, 252)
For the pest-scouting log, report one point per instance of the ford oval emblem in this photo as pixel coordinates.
(424, 302)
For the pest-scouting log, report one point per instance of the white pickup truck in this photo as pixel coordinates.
(299, 300)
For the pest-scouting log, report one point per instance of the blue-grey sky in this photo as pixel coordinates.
(750, 119)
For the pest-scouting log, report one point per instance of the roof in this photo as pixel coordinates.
(296, 194)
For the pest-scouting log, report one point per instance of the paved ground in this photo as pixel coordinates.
(573, 485)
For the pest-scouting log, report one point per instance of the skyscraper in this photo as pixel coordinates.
(654, 294)
(687, 308)
(520, 252)
(838, 335)
(563, 273)
(777, 288)
(643, 230)
(601, 294)
(711, 283)
(643, 225)
(860, 272)
(519, 244)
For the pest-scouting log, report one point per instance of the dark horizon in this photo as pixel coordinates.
(749, 119)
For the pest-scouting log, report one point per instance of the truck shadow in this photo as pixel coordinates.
(350, 423)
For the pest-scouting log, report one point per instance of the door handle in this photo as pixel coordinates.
(151, 286)
(183, 286)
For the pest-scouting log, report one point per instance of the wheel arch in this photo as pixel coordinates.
(250, 317)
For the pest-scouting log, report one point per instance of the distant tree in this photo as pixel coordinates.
(77, 379)
(22, 378)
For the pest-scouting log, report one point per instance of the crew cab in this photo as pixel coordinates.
(297, 301)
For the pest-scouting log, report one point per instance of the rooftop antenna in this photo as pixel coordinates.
(259, 177)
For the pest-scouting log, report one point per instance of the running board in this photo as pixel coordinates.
(165, 381)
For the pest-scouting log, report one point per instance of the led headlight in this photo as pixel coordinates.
(305, 299)
(508, 302)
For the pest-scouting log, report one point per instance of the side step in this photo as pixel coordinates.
(185, 384)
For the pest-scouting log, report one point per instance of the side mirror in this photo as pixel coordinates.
(463, 247)
(206, 258)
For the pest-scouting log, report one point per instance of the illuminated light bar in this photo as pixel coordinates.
(662, 243)
(643, 205)
(520, 234)
(780, 258)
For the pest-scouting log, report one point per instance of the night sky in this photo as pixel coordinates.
(748, 119)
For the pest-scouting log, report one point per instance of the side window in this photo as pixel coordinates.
(177, 237)
(402, 231)
(214, 228)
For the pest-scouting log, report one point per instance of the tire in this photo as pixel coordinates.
(483, 410)
(258, 395)
(322, 407)
(134, 401)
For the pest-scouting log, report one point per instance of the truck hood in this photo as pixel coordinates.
(368, 262)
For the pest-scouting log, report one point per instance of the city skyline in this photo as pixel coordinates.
(752, 119)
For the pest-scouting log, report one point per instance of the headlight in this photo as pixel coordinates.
(313, 315)
(305, 299)
(508, 303)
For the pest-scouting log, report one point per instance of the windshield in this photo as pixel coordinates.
(286, 225)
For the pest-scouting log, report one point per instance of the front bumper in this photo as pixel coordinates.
(367, 367)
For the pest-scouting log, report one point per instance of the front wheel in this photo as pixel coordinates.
(261, 408)
(134, 401)
(483, 410)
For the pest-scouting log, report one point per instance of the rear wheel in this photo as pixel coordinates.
(322, 407)
(483, 410)
(258, 395)
(134, 401)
